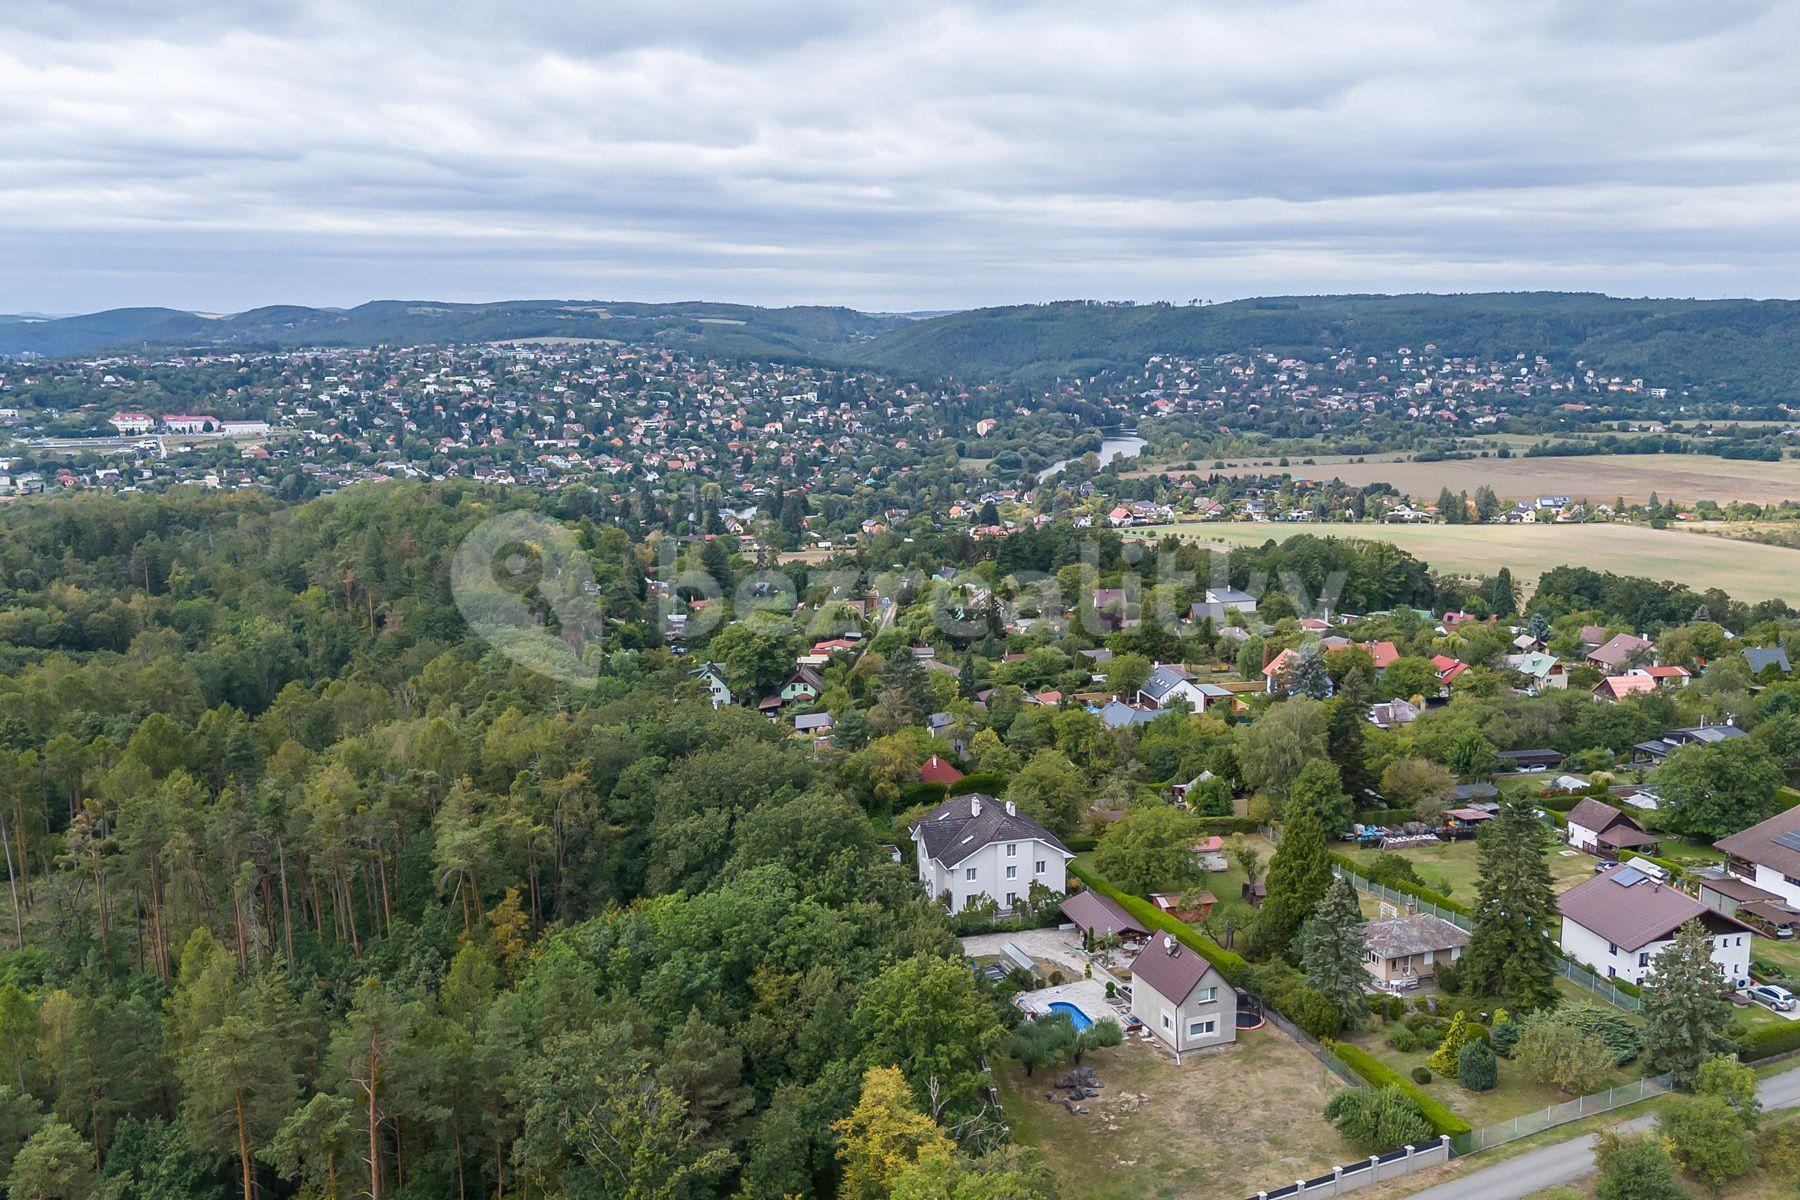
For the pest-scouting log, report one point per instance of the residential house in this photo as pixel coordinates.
(1768, 855)
(1210, 851)
(1615, 688)
(1734, 897)
(1761, 658)
(1448, 668)
(1409, 950)
(1541, 671)
(1391, 713)
(1231, 598)
(711, 677)
(1658, 749)
(1529, 760)
(975, 845)
(1617, 923)
(1604, 831)
(936, 770)
(1181, 997)
(1117, 714)
(1169, 685)
(1620, 653)
(802, 687)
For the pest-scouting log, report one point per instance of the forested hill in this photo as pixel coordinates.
(726, 329)
(1744, 349)
(1750, 347)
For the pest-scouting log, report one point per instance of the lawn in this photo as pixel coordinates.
(1516, 1095)
(1454, 863)
(1747, 570)
(1218, 1127)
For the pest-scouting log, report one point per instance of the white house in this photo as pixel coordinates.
(1181, 997)
(712, 681)
(975, 845)
(1168, 686)
(1231, 598)
(1604, 831)
(1617, 923)
(1768, 854)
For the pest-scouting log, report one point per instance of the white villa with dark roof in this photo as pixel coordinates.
(975, 845)
(1617, 923)
(1168, 685)
(1181, 998)
(1768, 855)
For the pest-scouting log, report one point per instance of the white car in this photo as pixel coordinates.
(1771, 996)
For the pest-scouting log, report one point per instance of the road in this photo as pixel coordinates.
(1568, 1161)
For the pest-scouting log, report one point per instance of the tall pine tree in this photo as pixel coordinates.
(1686, 1020)
(1511, 955)
(1331, 950)
(1298, 876)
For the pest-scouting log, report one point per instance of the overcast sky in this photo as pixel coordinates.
(221, 154)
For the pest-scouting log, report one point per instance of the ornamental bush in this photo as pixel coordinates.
(1476, 1068)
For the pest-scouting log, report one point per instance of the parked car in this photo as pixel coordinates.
(1771, 996)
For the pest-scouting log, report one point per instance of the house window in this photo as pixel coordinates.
(1012, 899)
(1012, 872)
(969, 873)
(1042, 866)
(1202, 1028)
(1790, 880)
(1643, 958)
(1610, 948)
(1168, 1022)
(1012, 850)
(1206, 995)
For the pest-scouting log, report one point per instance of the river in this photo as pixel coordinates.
(1121, 443)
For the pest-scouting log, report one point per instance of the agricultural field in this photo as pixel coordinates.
(1599, 478)
(1221, 1125)
(1746, 570)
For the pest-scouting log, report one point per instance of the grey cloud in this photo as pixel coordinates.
(901, 155)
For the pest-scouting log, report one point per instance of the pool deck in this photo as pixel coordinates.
(1089, 995)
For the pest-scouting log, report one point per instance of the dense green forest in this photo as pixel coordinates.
(317, 896)
(1743, 350)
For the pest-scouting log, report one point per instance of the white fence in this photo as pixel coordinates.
(1376, 1168)
(1562, 1114)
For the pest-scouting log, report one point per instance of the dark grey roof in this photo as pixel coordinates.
(1118, 714)
(962, 825)
(1404, 936)
(1762, 656)
(1161, 681)
(1101, 915)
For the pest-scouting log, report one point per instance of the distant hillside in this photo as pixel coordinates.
(1741, 349)
(727, 329)
(1751, 347)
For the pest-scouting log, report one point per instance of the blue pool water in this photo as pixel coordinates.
(1076, 1017)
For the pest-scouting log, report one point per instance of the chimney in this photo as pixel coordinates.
(1011, 810)
(974, 806)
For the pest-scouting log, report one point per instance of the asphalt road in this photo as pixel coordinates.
(1568, 1161)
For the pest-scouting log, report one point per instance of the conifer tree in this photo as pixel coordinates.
(1511, 955)
(1298, 876)
(1331, 949)
(1686, 1020)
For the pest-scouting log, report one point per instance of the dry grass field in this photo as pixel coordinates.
(1744, 569)
(1600, 478)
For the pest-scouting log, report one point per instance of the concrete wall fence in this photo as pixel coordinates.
(1374, 1169)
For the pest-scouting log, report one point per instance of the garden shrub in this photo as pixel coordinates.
(1380, 1075)
(1313, 1011)
(1602, 1021)
(1476, 1068)
(1421, 1074)
(1504, 1036)
(1403, 1039)
(1379, 1119)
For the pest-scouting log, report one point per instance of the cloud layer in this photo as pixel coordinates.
(219, 155)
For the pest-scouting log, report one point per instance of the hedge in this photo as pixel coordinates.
(1378, 1074)
(1384, 816)
(1231, 966)
(1769, 1041)
(1406, 889)
(1224, 825)
(988, 783)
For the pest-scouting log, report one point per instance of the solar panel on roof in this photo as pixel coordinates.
(1790, 839)
(1626, 876)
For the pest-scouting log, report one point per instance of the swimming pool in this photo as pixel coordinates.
(1076, 1017)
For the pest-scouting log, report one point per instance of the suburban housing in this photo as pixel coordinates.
(1768, 855)
(1407, 950)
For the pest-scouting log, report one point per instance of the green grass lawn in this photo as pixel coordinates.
(1218, 1127)
(1515, 1096)
(1454, 863)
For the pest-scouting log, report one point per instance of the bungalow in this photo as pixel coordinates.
(816, 724)
(1385, 654)
(1541, 671)
(1232, 599)
(1622, 652)
(1119, 715)
(974, 845)
(1181, 997)
(1768, 855)
(1617, 923)
(1604, 831)
(1098, 916)
(1448, 668)
(1408, 950)
(1210, 851)
(804, 686)
(1658, 749)
(1615, 688)
(1529, 760)
(1391, 713)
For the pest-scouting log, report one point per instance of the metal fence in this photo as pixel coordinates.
(1579, 976)
(1561, 1114)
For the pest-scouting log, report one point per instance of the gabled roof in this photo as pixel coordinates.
(1597, 815)
(1763, 656)
(1759, 844)
(1620, 649)
(1416, 934)
(1169, 969)
(1162, 680)
(1101, 915)
(962, 825)
(1630, 910)
(1618, 687)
